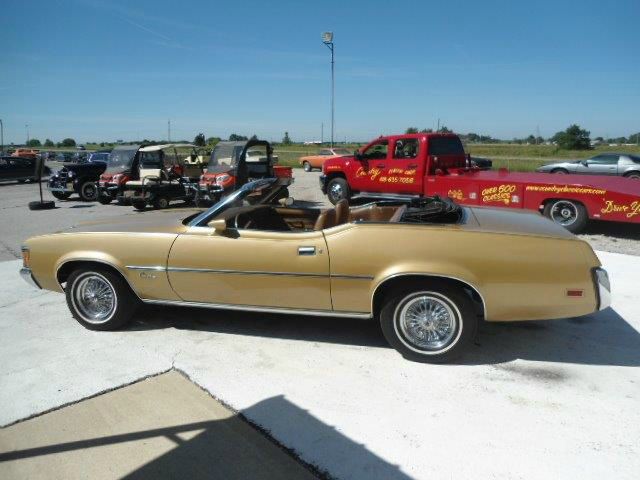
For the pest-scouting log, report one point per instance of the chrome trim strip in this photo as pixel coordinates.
(352, 277)
(425, 274)
(157, 268)
(255, 308)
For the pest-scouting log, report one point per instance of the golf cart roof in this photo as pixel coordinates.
(155, 148)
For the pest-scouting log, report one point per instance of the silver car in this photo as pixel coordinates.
(622, 164)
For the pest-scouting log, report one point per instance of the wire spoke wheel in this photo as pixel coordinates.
(94, 298)
(427, 322)
(564, 213)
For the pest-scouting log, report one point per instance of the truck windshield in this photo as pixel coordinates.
(121, 160)
(445, 146)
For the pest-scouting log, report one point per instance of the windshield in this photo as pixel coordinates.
(225, 155)
(341, 151)
(236, 199)
(121, 160)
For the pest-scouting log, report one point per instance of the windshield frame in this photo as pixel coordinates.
(202, 219)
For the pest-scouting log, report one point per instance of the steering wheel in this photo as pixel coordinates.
(236, 222)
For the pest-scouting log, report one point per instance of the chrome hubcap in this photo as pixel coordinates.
(94, 298)
(428, 322)
(336, 191)
(564, 213)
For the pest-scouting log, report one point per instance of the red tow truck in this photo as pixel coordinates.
(428, 164)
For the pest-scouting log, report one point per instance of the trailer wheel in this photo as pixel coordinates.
(567, 213)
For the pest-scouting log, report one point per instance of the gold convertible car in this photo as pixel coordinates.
(428, 269)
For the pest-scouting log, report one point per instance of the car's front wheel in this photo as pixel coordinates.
(428, 322)
(306, 166)
(99, 299)
(633, 175)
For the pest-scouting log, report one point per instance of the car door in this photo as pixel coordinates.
(369, 168)
(605, 164)
(251, 268)
(4, 169)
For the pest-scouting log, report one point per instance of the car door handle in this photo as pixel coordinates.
(306, 250)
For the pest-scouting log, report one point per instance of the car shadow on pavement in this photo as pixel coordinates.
(228, 449)
(602, 338)
(630, 231)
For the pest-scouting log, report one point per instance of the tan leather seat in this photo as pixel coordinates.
(342, 212)
(396, 217)
(326, 219)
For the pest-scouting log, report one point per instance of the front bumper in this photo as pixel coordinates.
(60, 186)
(26, 274)
(323, 183)
(603, 287)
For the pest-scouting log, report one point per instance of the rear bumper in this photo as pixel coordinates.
(26, 274)
(603, 287)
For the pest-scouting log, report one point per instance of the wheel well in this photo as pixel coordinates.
(396, 282)
(333, 175)
(559, 169)
(65, 270)
(632, 172)
(547, 201)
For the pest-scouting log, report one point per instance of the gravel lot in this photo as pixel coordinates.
(18, 223)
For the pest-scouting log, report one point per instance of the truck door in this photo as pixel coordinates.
(405, 170)
(369, 169)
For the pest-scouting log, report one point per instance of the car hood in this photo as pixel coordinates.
(514, 222)
(168, 221)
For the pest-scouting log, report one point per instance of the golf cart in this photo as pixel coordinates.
(164, 175)
(232, 164)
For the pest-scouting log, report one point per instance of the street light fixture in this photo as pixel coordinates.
(327, 39)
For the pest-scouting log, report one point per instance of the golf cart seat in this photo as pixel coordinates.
(148, 176)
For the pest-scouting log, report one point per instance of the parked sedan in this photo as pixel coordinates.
(622, 164)
(412, 265)
(17, 168)
(316, 161)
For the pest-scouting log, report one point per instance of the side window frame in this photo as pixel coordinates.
(372, 148)
(405, 141)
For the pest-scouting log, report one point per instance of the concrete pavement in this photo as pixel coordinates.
(553, 399)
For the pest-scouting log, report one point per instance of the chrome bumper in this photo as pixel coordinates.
(26, 274)
(603, 287)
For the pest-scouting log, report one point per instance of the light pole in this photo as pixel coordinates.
(1, 137)
(327, 39)
(26, 127)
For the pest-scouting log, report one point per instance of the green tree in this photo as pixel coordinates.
(444, 129)
(68, 142)
(286, 140)
(48, 143)
(213, 140)
(573, 138)
(253, 137)
(234, 137)
(411, 130)
(34, 142)
(426, 130)
(199, 140)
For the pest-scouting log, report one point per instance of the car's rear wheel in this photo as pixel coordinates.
(570, 214)
(428, 322)
(306, 166)
(561, 171)
(89, 191)
(99, 299)
(338, 189)
(61, 195)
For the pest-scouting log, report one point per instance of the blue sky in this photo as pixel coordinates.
(107, 70)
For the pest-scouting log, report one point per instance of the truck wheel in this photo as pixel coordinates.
(88, 191)
(104, 199)
(61, 195)
(428, 322)
(337, 189)
(568, 213)
(161, 203)
(99, 299)
(306, 166)
(139, 205)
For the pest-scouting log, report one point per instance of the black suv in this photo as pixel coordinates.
(79, 177)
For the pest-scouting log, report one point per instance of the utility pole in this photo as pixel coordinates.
(537, 133)
(438, 129)
(26, 127)
(322, 133)
(327, 39)
(169, 131)
(1, 137)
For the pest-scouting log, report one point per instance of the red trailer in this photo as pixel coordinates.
(436, 164)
